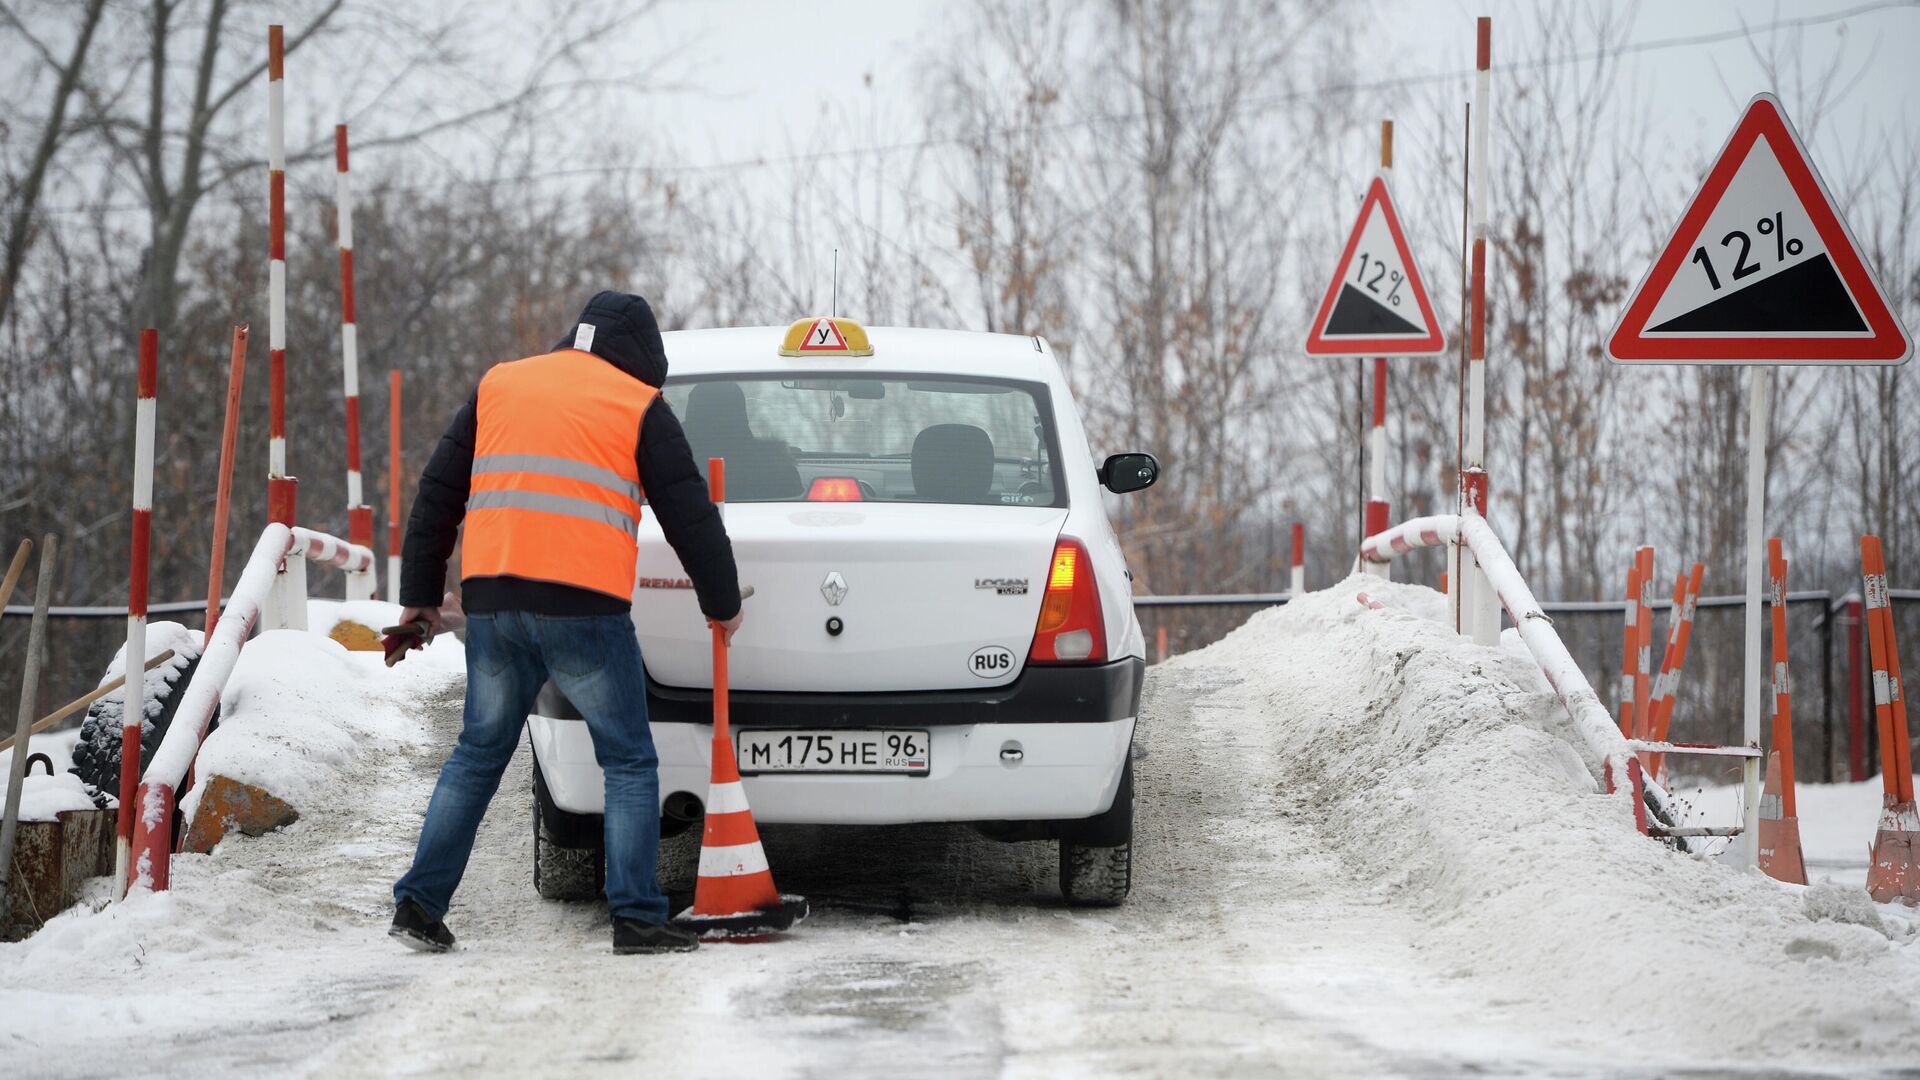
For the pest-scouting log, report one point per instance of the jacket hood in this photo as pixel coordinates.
(624, 334)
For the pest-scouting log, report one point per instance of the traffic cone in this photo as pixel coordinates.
(1894, 873)
(1780, 855)
(735, 897)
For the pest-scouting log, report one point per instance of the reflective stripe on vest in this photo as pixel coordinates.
(555, 489)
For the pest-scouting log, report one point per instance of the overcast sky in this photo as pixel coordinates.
(768, 69)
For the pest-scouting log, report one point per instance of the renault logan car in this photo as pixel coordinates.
(940, 626)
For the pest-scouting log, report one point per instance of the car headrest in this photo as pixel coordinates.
(953, 463)
(717, 411)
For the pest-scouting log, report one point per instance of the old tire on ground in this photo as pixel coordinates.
(1096, 856)
(96, 754)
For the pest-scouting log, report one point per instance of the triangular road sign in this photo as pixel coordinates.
(1761, 269)
(1377, 304)
(823, 336)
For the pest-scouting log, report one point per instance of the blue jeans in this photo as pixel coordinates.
(595, 661)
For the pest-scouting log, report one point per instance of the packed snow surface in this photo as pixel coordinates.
(1364, 847)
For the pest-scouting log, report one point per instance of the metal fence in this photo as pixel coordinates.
(1833, 739)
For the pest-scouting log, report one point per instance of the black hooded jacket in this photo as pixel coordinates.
(626, 336)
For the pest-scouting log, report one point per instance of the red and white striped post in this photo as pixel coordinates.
(1480, 608)
(1894, 868)
(359, 515)
(1379, 511)
(133, 693)
(282, 492)
(1643, 646)
(393, 485)
(1297, 578)
(1624, 699)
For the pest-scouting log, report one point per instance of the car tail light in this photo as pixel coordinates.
(1071, 630)
(835, 489)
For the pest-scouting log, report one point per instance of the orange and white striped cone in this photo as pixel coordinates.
(1780, 854)
(735, 897)
(1894, 872)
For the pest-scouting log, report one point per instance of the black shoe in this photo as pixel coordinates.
(633, 936)
(417, 932)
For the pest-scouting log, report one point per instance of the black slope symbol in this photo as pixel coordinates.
(1356, 314)
(1809, 298)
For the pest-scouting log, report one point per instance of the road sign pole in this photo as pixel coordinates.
(1379, 510)
(1758, 386)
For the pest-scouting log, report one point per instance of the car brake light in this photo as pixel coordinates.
(835, 489)
(1071, 629)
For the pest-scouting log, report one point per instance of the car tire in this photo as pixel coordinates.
(679, 869)
(1096, 856)
(568, 863)
(562, 873)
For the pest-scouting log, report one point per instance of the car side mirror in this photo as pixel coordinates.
(1122, 473)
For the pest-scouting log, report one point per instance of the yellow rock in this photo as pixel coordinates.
(356, 637)
(226, 805)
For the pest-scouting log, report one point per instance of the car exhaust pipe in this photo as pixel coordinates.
(683, 807)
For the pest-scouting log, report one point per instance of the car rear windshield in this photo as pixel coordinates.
(874, 438)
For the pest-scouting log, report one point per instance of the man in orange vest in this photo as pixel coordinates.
(547, 464)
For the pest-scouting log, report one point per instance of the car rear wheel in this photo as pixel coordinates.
(1096, 856)
(568, 863)
(679, 868)
(561, 873)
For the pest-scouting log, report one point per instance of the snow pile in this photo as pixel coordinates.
(42, 797)
(300, 709)
(1449, 776)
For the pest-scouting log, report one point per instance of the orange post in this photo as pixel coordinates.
(1666, 662)
(1624, 698)
(1780, 851)
(223, 491)
(1643, 646)
(734, 896)
(393, 485)
(1894, 871)
(1660, 719)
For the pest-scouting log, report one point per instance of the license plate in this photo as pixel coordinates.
(832, 751)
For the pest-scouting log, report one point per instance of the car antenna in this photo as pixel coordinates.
(833, 310)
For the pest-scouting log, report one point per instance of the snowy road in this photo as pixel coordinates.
(1276, 927)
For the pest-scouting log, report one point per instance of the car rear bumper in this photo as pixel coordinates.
(1063, 771)
(999, 766)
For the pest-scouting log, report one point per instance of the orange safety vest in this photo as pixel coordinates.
(556, 491)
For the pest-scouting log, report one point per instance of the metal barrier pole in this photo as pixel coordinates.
(282, 492)
(360, 586)
(133, 695)
(1758, 390)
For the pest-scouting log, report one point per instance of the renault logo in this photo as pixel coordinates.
(834, 588)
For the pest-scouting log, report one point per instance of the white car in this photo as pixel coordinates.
(940, 627)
